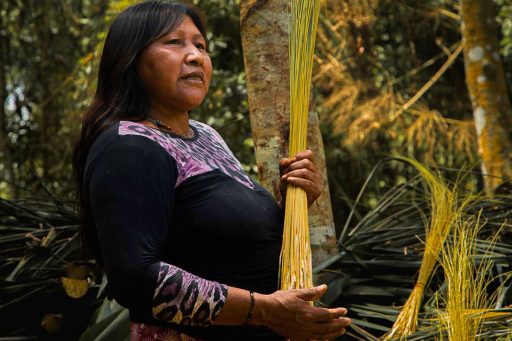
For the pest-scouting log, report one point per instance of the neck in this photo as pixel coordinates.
(177, 121)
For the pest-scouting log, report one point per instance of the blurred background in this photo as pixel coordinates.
(389, 80)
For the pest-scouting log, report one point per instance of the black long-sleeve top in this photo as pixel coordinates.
(178, 220)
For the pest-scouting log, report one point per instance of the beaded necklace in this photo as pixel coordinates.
(160, 125)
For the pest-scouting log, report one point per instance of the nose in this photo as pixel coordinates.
(194, 56)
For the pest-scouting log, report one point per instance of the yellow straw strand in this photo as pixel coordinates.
(295, 263)
(443, 213)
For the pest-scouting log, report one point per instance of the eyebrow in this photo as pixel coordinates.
(195, 36)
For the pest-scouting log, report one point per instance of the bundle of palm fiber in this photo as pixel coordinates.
(384, 250)
(465, 299)
(443, 213)
(295, 263)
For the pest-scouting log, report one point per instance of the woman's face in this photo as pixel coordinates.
(176, 69)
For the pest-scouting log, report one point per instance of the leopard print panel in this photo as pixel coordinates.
(183, 298)
(205, 152)
(146, 332)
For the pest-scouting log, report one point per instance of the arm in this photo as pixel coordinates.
(131, 195)
(287, 312)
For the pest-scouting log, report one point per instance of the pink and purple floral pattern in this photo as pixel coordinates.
(195, 156)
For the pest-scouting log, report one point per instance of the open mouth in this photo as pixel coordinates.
(194, 76)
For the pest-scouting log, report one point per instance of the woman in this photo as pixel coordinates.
(189, 242)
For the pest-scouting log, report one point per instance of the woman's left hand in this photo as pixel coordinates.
(301, 171)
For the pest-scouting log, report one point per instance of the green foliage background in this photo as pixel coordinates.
(49, 52)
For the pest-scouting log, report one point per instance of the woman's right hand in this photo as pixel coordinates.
(289, 313)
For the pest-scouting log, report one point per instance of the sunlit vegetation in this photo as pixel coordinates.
(389, 79)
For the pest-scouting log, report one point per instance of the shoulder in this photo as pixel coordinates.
(204, 128)
(130, 143)
(208, 134)
(200, 125)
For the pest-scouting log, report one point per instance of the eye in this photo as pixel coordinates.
(200, 46)
(175, 41)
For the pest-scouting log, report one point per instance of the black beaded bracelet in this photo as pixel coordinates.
(251, 309)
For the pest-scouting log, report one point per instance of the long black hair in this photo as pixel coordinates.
(120, 95)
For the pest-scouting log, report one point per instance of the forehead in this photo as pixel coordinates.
(188, 27)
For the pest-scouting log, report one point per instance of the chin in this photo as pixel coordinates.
(192, 103)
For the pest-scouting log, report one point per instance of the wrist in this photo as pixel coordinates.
(261, 303)
(250, 313)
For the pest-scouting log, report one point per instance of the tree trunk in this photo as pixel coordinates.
(486, 83)
(5, 146)
(264, 29)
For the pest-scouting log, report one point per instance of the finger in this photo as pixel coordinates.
(302, 174)
(312, 189)
(341, 322)
(338, 312)
(311, 294)
(305, 154)
(324, 315)
(307, 182)
(306, 174)
(285, 163)
(299, 165)
(307, 185)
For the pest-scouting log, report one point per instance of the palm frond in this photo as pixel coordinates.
(382, 251)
